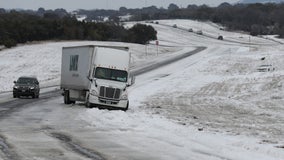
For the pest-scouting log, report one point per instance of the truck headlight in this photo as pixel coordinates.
(124, 96)
(94, 92)
(32, 87)
(16, 87)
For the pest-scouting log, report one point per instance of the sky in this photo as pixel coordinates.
(101, 4)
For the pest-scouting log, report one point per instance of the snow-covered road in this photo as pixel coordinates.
(213, 105)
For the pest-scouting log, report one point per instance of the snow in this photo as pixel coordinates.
(160, 137)
(212, 105)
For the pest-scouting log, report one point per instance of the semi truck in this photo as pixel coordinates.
(96, 75)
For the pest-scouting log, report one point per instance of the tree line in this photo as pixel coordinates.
(257, 19)
(18, 27)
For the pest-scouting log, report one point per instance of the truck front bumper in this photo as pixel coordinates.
(107, 103)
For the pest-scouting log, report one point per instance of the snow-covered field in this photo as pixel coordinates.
(214, 105)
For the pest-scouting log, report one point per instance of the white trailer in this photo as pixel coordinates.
(96, 75)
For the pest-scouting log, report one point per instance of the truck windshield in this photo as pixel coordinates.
(111, 74)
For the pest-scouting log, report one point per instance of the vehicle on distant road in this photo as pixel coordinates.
(199, 32)
(26, 86)
(175, 26)
(220, 37)
(265, 68)
(190, 30)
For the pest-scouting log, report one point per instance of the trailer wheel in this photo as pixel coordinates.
(66, 97)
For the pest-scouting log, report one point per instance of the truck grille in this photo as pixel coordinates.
(107, 92)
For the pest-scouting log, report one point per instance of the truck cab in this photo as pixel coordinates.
(97, 75)
(110, 79)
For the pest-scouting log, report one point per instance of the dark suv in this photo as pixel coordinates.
(26, 86)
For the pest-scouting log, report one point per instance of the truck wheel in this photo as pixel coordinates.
(66, 97)
(87, 103)
(14, 96)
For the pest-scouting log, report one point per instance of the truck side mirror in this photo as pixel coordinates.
(15, 81)
(131, 81)
(90, 79)
(94, 81)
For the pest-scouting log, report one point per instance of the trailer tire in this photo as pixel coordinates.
(67, 97)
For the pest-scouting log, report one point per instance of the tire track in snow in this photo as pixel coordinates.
(69, 142)
(211, 155)
(7, 150)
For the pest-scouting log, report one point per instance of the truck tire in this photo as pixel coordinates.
(66, 97)
(87, 103)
